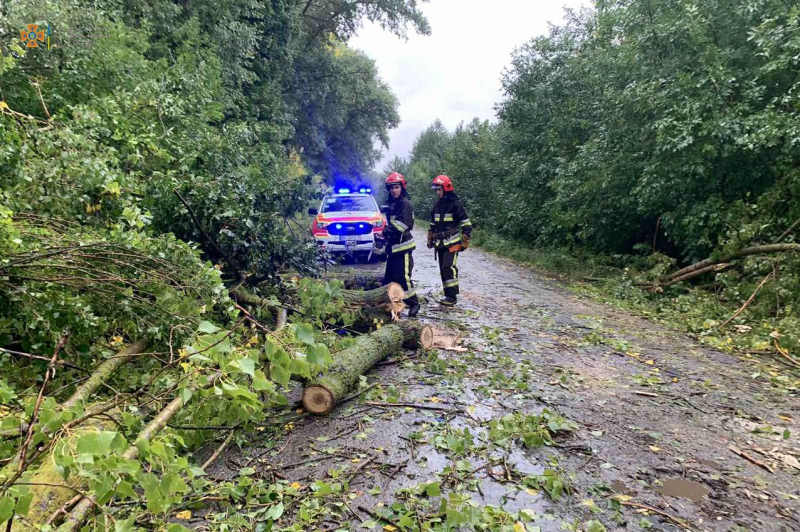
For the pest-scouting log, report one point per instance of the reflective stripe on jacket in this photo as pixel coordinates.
(400, 222)
(449, 220)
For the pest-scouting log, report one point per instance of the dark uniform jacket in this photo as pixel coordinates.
(399, 223)
(449, 220)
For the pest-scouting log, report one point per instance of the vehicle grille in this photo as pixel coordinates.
(349, 228)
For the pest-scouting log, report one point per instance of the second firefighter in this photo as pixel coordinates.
(449, 234)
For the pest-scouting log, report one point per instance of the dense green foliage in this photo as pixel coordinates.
(652, 133)
(152, 154)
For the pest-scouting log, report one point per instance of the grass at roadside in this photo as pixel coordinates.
(753, 334)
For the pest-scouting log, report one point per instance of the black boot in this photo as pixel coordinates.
(448, 301)
(413, 308)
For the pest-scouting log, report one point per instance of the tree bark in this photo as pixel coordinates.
(356, 280)
(103, 372)
(378, 297)
(322, 393)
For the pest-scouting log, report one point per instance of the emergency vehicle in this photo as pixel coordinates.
(346, 222)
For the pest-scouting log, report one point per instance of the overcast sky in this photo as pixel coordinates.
(454, 74)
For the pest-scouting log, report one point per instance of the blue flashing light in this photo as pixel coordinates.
(369, 191)
(362, 190)
(338, 226)
(344, 191)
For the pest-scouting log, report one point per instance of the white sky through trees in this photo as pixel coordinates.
(454, 74)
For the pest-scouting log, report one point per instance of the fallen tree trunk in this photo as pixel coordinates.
(378, 297)
(81, 511)
(52, 492)
(322, 393)
(383, 296)
(357, 280)
(98, 377)
(103, 372)
(352, 279)
(746, 252)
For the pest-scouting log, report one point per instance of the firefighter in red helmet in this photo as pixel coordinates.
(449, 233)
(399, 240)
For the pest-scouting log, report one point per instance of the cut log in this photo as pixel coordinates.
(322, 393)
(352, 279)
(383, 296)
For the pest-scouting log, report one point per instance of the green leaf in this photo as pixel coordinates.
(318, 354)
(279, 374)
(186, 394)
(433, 489)
(24, 504)
(207, 327)
(595, 526)
(275, 512)
(6, 508)
(128, 525)
(125, 489)
(299, 367)
(305, 333)
(261, 383)
(247, 366)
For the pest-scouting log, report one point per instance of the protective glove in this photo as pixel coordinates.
(430, 239)
(464, 242)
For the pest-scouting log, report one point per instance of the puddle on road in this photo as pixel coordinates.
(680, 487)
(620, 487)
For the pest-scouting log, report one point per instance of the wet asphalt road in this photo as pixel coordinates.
(651, 406)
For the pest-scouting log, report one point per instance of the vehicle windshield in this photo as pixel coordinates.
(349, 204)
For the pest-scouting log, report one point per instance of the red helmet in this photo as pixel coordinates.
(394, 178)
(444, 182)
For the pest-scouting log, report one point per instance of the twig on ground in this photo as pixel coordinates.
(672, 518)
(747, 303)
(785, 354)
(304, 462)
(362, 465)
(358, 393)
(750, 459)
(219, 450)
(64, 508)
(413, 405)
(378, 517)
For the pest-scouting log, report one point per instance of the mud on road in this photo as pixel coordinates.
(668, 433)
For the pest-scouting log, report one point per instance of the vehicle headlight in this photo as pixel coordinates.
(322, 225)
(379, 224)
